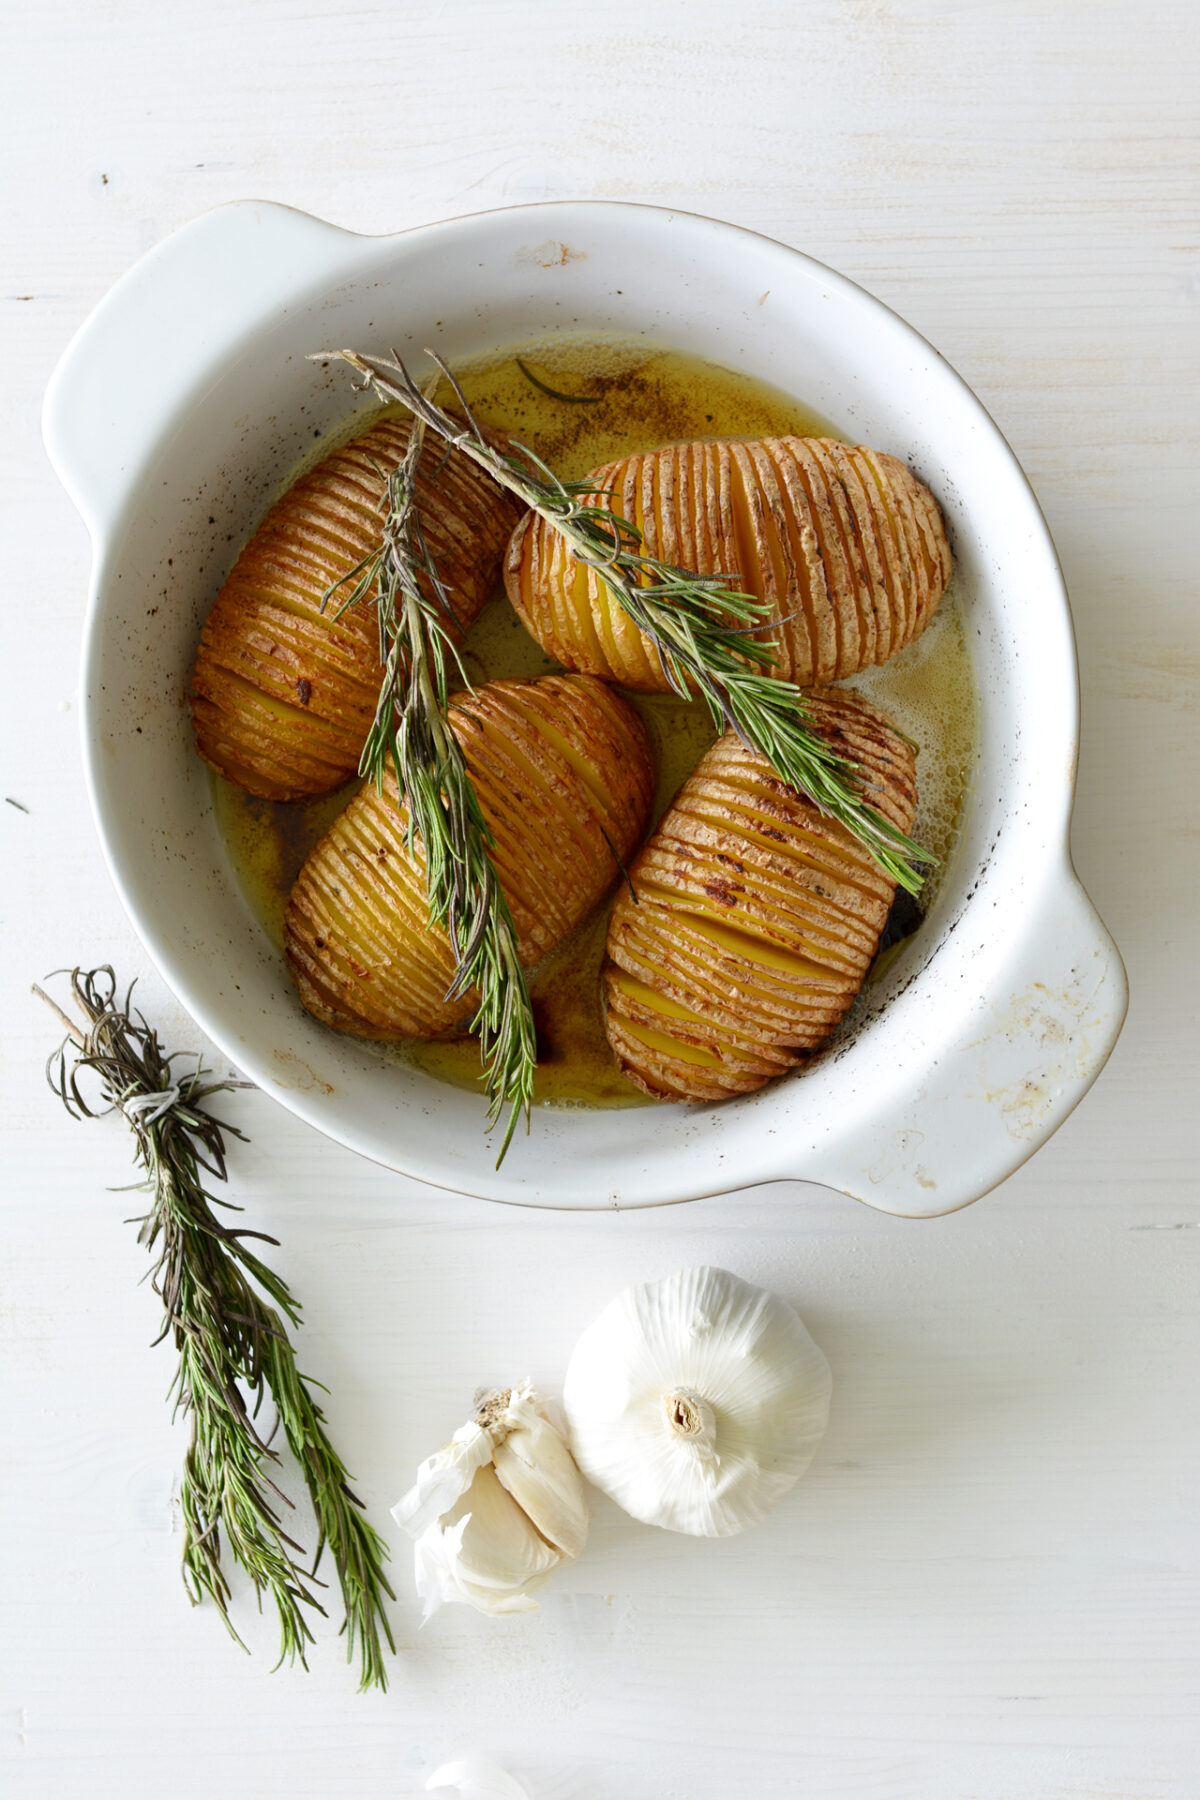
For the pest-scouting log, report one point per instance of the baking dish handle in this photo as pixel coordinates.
(990, 1096)
(161, 334)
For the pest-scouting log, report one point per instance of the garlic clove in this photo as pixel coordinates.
(535, 1466)
(497, 1509)
(696, 1402)
(484, 1552)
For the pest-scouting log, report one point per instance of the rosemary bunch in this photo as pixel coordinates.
(704, 631)
(411, 735)
(228, 1315)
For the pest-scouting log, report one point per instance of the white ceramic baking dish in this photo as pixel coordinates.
(178, 409)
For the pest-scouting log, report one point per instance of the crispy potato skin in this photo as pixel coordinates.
(756, 917)
(282, 693)
(842, 543)
(565, 777)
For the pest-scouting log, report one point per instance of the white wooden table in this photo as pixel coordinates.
(986, 1590)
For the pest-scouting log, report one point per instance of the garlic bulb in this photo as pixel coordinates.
(696, 1402)
(497, 1510)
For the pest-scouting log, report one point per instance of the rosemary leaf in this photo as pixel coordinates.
(554, 393)
(228, 1316)
(707, 634)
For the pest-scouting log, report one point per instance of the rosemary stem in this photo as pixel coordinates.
(703, 629)
(68, 1024)
(412, 737)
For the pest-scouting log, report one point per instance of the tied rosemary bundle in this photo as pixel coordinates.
(705, 631)
(228, 1315)
(411, 735)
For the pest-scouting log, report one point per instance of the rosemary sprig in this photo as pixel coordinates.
(703, 630)
(411, 735)
(233, 1345)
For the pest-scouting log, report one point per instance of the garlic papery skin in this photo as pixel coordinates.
(696, 1402)
(476, 1778)
(497, 1510)
(484, 1552)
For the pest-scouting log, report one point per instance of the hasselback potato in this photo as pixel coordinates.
(564, 775)
(282, 693)
(756, 916)
(843, 544)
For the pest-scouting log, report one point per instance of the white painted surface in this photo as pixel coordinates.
(987, 1585)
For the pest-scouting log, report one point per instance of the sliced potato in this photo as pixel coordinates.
(564, 774)
(283, 694)
(843, 544)
(756, 916)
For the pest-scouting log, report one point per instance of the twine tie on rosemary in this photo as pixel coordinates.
(151, 1105)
